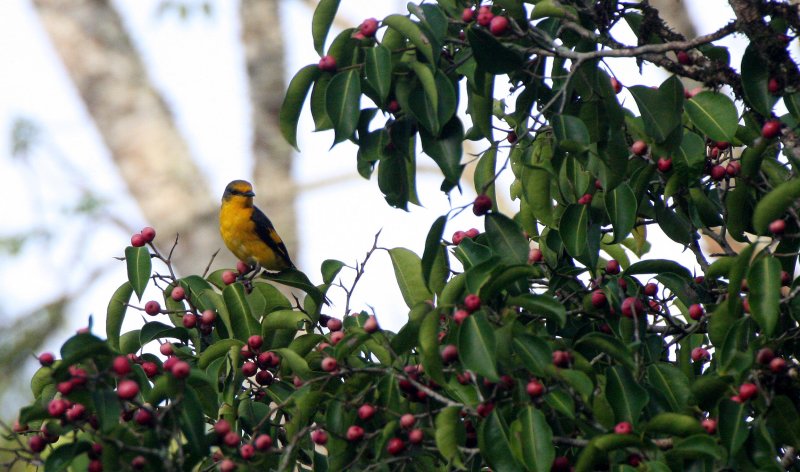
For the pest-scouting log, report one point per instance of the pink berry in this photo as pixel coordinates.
(598, 299)
(415, 436)
(181, 370)
(228, 277)
(336, 337)
(127, 389)
(632, 305)
(263, 442)
(616, 85)
(354, 433)
(150, 369)
(535, 256)
(458, 236)
(57, 407)
(700, 355)
(718, 173)
(334, 324)
(771, 129)
(777, 365)
(777, 227)
(639, 148)
(472, 233)
(247, 451)
(664, 164)
(319, 436)
(485, 16)
(395, 446)
(255, 342)
(534, 388)
(189, 321)
(329, 364)
(46, 359)
(623, 427)
(166, 349)
(484, 409)
(651, 289)
(231, 439)
(371, 325)
(407, 421)
(467, 15)
(612, 267)
(249, 369)
(710, 425)
(149, 234)
(137, 240)
(152, 308)
(747, 391)
(368, 27)
(178, 293)
(472, 302)
(222, 427)
(121, 366)
(460, 315)
(327, 64)
(498, 25)
(561, 358)
(449, 353)
(696, 311)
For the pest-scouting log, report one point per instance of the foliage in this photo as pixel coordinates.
(527, 346)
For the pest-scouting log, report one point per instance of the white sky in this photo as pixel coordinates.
(198, 66)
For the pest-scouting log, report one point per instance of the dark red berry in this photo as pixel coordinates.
(354, 433)
(181, 370)
(612, 267)
(632, 305)
(696, 311)
(639, 148)
(327, 64)
(747, 391)
(263, 442)
(450, 353)
(765, 355)
(319, 436)
(482, 204)
(598, 299)
(472, 302)
(616, 85)
(395, 446)
(149, 234)
(137, 240)
(371, 325)
(467, 15)
(710, 425)
(777, 227)
(152, 308)
(46, 359)
(664, 164)
(121, 365)
(771, 129)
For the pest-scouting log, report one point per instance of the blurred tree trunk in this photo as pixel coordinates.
(262, 39)
(135, 124)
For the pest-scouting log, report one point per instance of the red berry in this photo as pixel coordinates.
(415, 436)
(65, 388)
(651, 289)
(561, 464)
(664, 164)
(710, 425)
(467, 15)
(249, 369)
(612, 267)
(472, 233)
(222, 427)
(696, 311)
(208, 317)
(485, 16)
(243, 267)
(46, 359)
(150, 369)
(718, 173)
(616, 85)
(774, 86)
(700, 355)
(334, 324)
(395, 446)
(747, 391)
(247, 451)
(170, 362)
(166, 349)
(765, 355)
(460, 316)
(327, 64)
(263, 442)
(354, 433)
(268, 359)
(634, 460)
(498, 25)
(189, 321)
(264, 378)
(623, 427)
(329, 364)
(181, 370)
(472, 302)
(684, 58)
(746, 305)
(371, 325)
(178, 293)
(639, 148)
(228, 277)
(771, 129)
(598, 299)
(535, 256)
(777, 227)
(512, 137)
(137, 240)
(482, 204)
(152, 308)
(255, 342)
(484, 409)
(777, 365)
(57, 407)
(37, 444)
(562, 358)
(127, 389)
(231, 439)
(732, 169)
(336, 337)
(95, 465)
(319, 436)
(632, 305)
(737, 399)
(464, 378)
(786, 279)
(585, 199)
(366, 411)
(407, 421)
(227, 465)
(121, 365)
(534, 388)
(450, 353)
(143, 417)
(458, 236)
(138, 463)
(368, 27)
(393, 107)
(149, 234)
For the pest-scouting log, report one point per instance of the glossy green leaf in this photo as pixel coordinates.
(785, 421)
(342, 103)
(446, 150)
(774, 205)
(714, 114)
(293, 101)
(426, 79)
(621, 208)
(535, 353)
(137, 260)
(115, 313)
(506, 238)
(378, 69)
(608, 345)
(755, 76)
(733, 424)
(676, 424)
(699, 446)
(107, 408)
(157, 330)
(485, 175)
(660, 109)
(429, 347)
(217, 350)
(408, 271)
(242, 321)
(477, 346)
(435, 263)
(626, 397)
(670, 383)
(764, 280)
(541, 305)
(532, 440)
(658, 266)
(449, 434)
(283, 319)
(689, 158)
(490, 54)
(411, 31)
(292, 278)
(570, 132)
(321, 22)
(573, 228)
(295, 362)
(192, 423)
(495, 445)
(562, 402)
(62, 456)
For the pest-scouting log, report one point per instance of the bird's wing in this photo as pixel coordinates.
(267, 233)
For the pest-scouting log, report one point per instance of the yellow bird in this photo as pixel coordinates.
(247, 231)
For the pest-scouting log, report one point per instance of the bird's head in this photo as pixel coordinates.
(238, 189)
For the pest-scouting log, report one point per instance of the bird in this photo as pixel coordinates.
(248, 233)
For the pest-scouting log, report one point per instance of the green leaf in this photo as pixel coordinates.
(541, 304)
(80, 347)
(411, 31)
(714, 114)
(435, 263)
(139, 266)
(532, 440)
(295, 362)
(408, 271)
(764, 281)
(626, 397)
(785, 421)
(242, 321)
(321, 22)
(490, 54)
(449, 434)
(699, 446)
(217, 350)
(293, 278)
(733, 424)
(330, 269)
(562, 402)
(62, 456)
(534, 352)
(378, 69)
(283, 319)
(477, 347)
(495, 445)
(660, 109)
(107, 409)
(426, 79)
(429, 347)
(755, 77)
(570, 132)
(605, 344)
(573, 228)
(115, 313)
(485, 176)
(157, 330)
(774, 204)
(293, 101)
(342, 103)
(621, 208)
(675, 424)
(690, 158)
(506, 239)
(670, 383)
(41, 379)
(658, 266)
(192, 423)
(445, 150)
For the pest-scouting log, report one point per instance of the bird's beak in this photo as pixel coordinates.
(249, 194)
